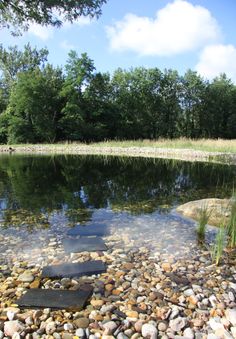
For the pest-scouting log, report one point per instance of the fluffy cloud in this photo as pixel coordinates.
(216, 59)
(178, 27)
(42, 32)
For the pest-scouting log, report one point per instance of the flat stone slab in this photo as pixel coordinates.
(84, 244)
(74, 270)
(88, 230)
(55, 299)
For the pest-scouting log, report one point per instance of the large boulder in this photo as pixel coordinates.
(218, 210)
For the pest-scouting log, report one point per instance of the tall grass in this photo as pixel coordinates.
(231, 227)
(210, 145)
(204, 216)
(218, 247)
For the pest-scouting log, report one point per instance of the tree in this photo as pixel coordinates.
(35, 106)
(20, 13)
(79, 72)
(191, 100)
(13, 61)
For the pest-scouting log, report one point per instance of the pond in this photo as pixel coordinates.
(42, 197)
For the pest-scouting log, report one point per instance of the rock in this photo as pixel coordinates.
(132, 314)
(11, 327)
(233, 331)
(188, 292)
(215, 325)
(162, 327)
(166, 267)
(97, 303)
(68, 327)
(230, 315)
(219, 210)
(81, 322)
(109, 327)
(50, 327)
(188, 333)
(27, 276)
(177, 324)
(138, 326)
(122, 336)
(80, 332)
(67, 336)
(149, 331)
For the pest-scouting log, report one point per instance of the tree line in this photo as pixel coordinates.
(43, 103)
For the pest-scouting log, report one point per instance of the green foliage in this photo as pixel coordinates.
(39, 103)
(17, 14)
(204, 216)
(231, 227)
(218, 247)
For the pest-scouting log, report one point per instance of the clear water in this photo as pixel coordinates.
(135, 197)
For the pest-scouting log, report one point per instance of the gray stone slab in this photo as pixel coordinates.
(84, 244)
(55, 299)
(88, 230)
(74, 270)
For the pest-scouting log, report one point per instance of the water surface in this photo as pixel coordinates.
(135, 197)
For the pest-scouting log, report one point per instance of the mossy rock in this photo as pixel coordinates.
(218, 210)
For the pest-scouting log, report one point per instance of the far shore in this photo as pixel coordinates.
(130, 151)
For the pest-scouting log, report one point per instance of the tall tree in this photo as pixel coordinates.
(18, 14)
(13, 61)
(35, 106)
(79, 72)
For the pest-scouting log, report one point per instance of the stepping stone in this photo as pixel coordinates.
(84, 244)
(91, 229)
(74, 270)
(55, 299)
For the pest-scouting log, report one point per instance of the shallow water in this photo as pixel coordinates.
(43, 196)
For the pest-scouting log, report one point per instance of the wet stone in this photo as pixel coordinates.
(54, 299)
(88, 230)
(74, 270)
(84, 244)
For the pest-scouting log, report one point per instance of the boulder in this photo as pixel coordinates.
(218, 210)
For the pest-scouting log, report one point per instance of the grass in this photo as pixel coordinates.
(218, 247)
(231, 227)
(208, 145)
(204, 216)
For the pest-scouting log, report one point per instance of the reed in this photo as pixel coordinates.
(204, 216)
(231, 227)
(218, 246)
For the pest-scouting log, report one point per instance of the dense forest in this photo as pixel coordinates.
(43, 103)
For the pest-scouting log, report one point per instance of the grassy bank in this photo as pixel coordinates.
(221, 151)
(207, 145)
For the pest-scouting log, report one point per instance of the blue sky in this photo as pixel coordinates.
(177, 34)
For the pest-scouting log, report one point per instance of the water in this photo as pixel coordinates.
(135, 197)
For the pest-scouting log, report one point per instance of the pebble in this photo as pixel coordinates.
(177, 324)
(26, 277)
(81, 322)
(149, 331)
(231, 316)
(10, 327)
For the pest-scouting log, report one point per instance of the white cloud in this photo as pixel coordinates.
(178, 27)
(46, 32)
(66, 45)
(42, 32)
(82, 21)
(216, 59)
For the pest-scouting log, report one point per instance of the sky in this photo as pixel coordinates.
(177, 34)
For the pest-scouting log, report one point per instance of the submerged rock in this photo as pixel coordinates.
(217, 209)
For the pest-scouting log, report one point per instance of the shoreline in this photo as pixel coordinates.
(148, 152)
